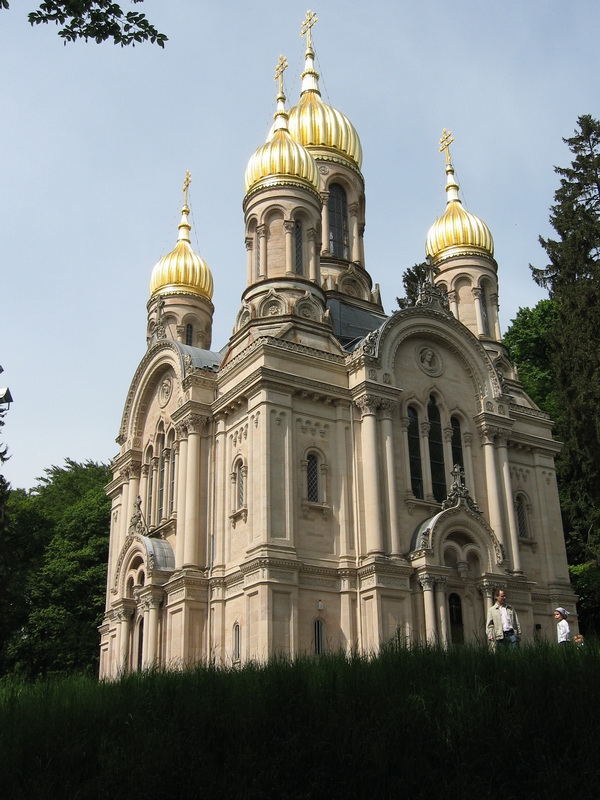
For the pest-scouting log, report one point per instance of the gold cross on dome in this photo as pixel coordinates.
(279, 70)
(186, 183)
(308, 22)
(445, 143)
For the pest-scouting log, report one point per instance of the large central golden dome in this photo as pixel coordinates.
(182, 271)
(315, 124)
(457, 231)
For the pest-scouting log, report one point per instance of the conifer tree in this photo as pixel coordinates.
(573, 280)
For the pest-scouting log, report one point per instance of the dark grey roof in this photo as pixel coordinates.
(351, 323)
(201, 359)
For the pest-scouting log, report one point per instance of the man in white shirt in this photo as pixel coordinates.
(502, 626)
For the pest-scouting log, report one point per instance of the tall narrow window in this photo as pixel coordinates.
(172, 481)
(337, 205)
(457, 451)
(150, 492)
(257, 264)
(298, 248)
(312, 478)
(457, 633)
(436, 451)
(189, 334)
(414, 452)
(240, 485)
(522, 517)
(237, 642)
(161, 486)
(485, 321)
(318, 637)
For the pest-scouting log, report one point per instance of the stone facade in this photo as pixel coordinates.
(335, 476)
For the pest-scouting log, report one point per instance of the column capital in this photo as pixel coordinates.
(289, 225)
(368, 404)
(427, 581)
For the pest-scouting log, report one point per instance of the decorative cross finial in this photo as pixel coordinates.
(282, 65)
(308, 22)
(186, 183)
(445, 143)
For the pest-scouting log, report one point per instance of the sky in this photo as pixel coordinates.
(95, 141)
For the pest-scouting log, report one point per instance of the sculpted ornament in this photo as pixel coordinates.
(165, 391)
(429, 361)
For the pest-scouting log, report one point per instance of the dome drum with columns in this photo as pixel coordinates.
(334, 476)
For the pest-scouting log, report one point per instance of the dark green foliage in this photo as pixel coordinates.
(412, 280)
(573, 280)
(528, 341)
(100, 20)
(53, 571)
(416, 723)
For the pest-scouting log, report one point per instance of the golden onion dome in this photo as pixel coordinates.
(314, 124)
(457, 231)
(182, 271)
(281, 160)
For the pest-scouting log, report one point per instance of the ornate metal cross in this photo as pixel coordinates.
(310, 19)
(279, 70)
(186, 183)
(445, 143)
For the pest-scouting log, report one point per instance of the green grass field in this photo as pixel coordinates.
(420, 723)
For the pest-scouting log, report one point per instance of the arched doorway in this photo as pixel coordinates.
(457, 631)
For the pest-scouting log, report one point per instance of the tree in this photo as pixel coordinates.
(57, 547)
(528, 342)
(100, 20)
(412, 279)
(573, 280)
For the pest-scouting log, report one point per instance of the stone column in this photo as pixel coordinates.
(313, 262)
(452, 299)
(124, 632)
(487, 595)
(404, 424)
(467, 439)
(289, 226)
(325, 221)
(144, 491)
(495, 309)
(493, 483)
(181, 495)
(440, 596)
(374, 529)
(261, 234)
(428, 583)
(249, 260)
(343, 480)
(513, 527)
(353, 211)
(424, 428)
(448, 460)
(125, 514)
(478, 295)
(153, 604)
(191, 549)
(388, 407)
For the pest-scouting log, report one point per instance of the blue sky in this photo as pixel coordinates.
(95, 141)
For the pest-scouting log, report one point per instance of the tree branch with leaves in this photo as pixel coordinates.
(99, 20)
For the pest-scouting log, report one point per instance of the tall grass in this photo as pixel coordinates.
(412, 723)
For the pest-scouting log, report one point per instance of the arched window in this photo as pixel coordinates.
(457, 633)
(298, 248)
(150, 490)
(312, 478)
(172, 473)
(337, 205)
(160, 511)
(140, 645)
(414, 452)
(240, 485)
(189, 334)
(237, 642)
(257, 261)
(319, 639)
(485, 319)
(457, 449)
(521, 509)
(436, 451)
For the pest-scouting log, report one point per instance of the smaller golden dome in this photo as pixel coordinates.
(313, 123)
(457, 231)
(182, 271)
(281, 160)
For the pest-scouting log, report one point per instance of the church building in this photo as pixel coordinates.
(334, 476)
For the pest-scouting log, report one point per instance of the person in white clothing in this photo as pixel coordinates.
(563, 629)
